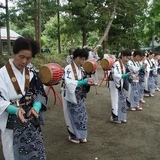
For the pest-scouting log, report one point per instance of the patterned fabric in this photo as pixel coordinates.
(74, 108)
(118, 99)
(121, 107)
(78, 117)
(28, 140)
(27, 137)
(134, 95)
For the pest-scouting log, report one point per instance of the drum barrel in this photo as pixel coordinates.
(90, 66)
(50, 74)
(107, 63)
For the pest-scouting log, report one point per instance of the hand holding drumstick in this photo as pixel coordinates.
(91, 81)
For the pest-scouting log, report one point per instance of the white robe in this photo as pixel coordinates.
(148, 69)
(134, 69)
(8, 92)
(113, 85)
(68, 95)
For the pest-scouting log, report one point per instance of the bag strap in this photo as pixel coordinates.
(74, 71)
(14, 80)
(120, 62)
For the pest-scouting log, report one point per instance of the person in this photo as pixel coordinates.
(93, 55)
(22, 104)
(74, 89)
(150, 86)
(133, 96)
(70, 56)
(141, 76)
(117, 82)
(107, 54)
(155, 75)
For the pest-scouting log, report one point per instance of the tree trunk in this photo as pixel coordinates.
(105, 36)
(36, 20)
(84, 36)
(59, 34)
(8, 29)
(39, 24)
(105, 43)
(0, 42)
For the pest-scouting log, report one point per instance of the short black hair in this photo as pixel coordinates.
(80, 53)
(26, 44)
(137, 53)
(126, 52)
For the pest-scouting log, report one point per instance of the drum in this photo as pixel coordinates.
(90, 66)
(107, 63)
(51, 74)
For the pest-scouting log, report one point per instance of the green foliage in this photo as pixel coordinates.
(39, 60)
(84, 22)
(126, 30)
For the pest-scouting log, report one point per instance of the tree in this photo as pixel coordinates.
(109, 23)
(8, 28)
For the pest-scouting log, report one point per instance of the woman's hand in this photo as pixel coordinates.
(33, 112)
(20, 115)
(90, 81)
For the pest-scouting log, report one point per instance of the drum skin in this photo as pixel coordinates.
(107, 63)
(51, 73)
(90, 66)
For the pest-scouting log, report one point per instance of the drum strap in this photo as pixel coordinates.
(74, 71)
(120, 62)
(14, 80)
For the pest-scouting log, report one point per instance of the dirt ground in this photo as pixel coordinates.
(138, 139)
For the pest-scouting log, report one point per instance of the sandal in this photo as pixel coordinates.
(151, 95)
(84, 140)
(73, 140)
(114, 121)
(138, 108)
(124, 121)
(131, 109)
(142, 101)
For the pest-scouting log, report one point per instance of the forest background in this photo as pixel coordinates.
(101, 24)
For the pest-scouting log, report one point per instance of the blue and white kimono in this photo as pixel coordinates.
(141, 75)
(149, 78)
(133, 93)
(117, 95)
(155, 75)
(74, 107)
(26, 141)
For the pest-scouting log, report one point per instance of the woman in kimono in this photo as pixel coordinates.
(132, 94)
(141, 75)
(149, 77)
(155, 75)
(74, 89)
(22, 103)
(116, 87)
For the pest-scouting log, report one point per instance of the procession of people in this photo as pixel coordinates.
(131, 76)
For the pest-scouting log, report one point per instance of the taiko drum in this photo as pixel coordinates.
(107, 63)
(51, 73)
(90, 66)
